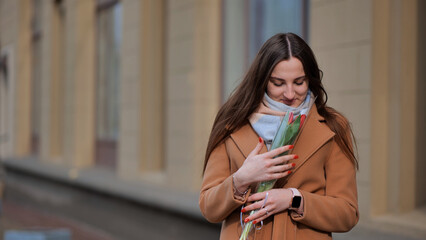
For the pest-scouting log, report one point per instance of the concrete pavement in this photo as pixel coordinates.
(33, 202)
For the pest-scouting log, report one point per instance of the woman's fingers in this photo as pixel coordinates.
(283, 159)
(275, 168)
(282, 168)
(278, 151)
(277, 200)
(257, 149)
(264, 210)
(257, 200)
(251, 207)
(256, 197)
(281, 174)
(261, 215)
(263, 167)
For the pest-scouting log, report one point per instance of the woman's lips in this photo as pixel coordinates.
(288, 102)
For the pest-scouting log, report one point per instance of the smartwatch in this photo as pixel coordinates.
(296, 200)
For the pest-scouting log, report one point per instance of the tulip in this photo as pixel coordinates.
(286, 135)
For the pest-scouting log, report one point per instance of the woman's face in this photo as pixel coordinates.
(288, 83)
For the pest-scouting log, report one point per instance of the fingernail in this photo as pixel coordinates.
(291, 147)
(289, 172)
(243, 210)
(246, 220)
(254, 222)
(260, 140)
(293, 164)
(296, 156)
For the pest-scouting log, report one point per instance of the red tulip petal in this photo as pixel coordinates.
(302, 119)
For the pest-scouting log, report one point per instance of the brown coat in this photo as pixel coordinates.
(323, 174)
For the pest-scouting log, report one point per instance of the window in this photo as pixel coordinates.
(248, 24)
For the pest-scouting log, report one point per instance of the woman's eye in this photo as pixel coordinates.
(278, 84)
(299, 82)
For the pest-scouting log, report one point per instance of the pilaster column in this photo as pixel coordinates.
(52, 89)
(22, 135)
(394, 106)
(192, 81)
(79, 83)
(152, 78)
(206, 78)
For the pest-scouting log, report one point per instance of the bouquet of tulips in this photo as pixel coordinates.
(286, 135)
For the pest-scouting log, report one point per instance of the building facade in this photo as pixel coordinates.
(120, 96)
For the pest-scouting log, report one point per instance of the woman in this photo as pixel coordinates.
(316, 189)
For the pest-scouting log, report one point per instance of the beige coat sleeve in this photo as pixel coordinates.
(217, 200)
(337, 211)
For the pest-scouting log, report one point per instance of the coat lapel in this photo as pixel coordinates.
(314, 134)
(246, 140)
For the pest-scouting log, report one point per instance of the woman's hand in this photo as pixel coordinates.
(277, 201)
(263, 167)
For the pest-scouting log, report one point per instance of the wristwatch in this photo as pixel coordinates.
(296, 200)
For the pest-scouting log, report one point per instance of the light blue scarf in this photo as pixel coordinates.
(267, 119)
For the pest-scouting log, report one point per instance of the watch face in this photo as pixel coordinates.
(296, 202)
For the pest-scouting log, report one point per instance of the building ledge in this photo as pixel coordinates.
(105, 181)
(411, 224)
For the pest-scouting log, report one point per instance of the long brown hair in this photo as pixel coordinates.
(248, 95)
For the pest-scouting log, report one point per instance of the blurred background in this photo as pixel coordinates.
(106, 107)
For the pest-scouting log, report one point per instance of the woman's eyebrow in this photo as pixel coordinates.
(281, 79)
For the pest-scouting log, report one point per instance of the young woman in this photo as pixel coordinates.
(315, 193)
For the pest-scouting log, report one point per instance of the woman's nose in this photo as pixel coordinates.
(289, 93)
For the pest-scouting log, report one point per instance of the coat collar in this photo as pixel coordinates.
(314, 134)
